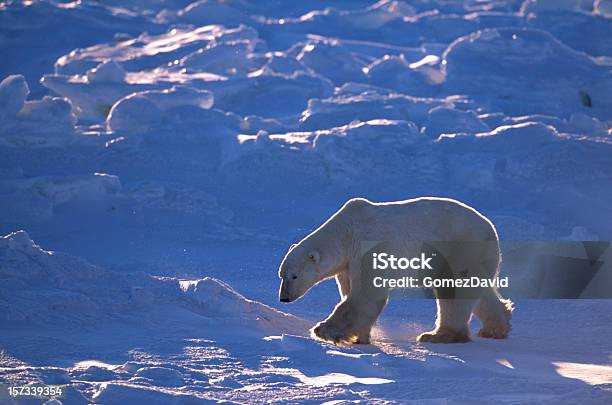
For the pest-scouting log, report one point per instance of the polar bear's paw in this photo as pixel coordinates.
(444, 336)
(494, 331)
(498, 327)
(330, 332)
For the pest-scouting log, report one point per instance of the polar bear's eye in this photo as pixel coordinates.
(313, 256)
(294, 277)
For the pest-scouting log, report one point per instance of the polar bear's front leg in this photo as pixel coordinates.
(337, 328)
(353, 318)
(350, 322)
(344, 284)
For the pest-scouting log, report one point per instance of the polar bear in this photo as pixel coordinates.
(335, 250)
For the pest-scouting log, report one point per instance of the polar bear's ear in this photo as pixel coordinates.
(292, 246)
(314, 256)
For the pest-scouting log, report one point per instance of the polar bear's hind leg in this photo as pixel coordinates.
(494, 313)
(452, 322)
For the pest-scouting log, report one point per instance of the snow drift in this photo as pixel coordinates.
(48, 288)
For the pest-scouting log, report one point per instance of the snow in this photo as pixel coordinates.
(142, 111)
(32, 123)
(540, 77)
(157, 159)
(109, 71)
(13, 93)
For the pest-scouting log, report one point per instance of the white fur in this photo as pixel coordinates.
(333, 250)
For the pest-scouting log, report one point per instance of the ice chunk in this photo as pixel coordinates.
(36, 123)
(381, 13)
(530, 6)
(140, 112)
(603, 7)
(526, 71)
(13, 93)
(144, 52)
(572, 25)
(395, 72)
(332, 153)
(269, 96)
(385, 140)
(283, 64)
(46, 193)
(225, 58)
(525, 153)
(19, 240)
(582, 123)
(53, 111)
(508, 135)
(343, 109)
(333, 60)
(108, 71)
(203, 12)
(134, 113)
(87, 188)
(92, 100)
(161, 376)
(449, 120)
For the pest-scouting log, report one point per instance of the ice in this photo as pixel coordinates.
(413, 78)
(225, 58)
(539, 80)
(36, 123)
(332, 60)
(46, 193)
(13, 93)
(157, 158)
(443, 120)
(345, 108)
(571, 27)
(121, 394)
(134, 113)
(583, 123)
(269, 96)
(161, 376)
(553, 5)
(51, 283)
(603, 7)
(94, 104)
(204, 12)
(108, 71)
(146, 49)
(142, 111)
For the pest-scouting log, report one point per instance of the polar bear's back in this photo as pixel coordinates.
(425, 219)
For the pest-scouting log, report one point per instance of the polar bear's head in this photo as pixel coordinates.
(321, 255)
(299, 271)
(305, 265)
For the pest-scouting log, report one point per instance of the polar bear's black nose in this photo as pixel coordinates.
(285, 299)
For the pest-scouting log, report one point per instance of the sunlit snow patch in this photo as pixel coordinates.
(339, 378)
(328, 378)
(592, 374)
(84, 364)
